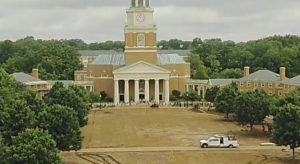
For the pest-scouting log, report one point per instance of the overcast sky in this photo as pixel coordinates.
(101, 20)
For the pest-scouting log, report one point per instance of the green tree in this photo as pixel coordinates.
(15, 119)
(290, 98)
(252, 107)
(62, 123)
(70, 98)
(191, 96)
(225, 99)
(211, 94)
(229, 73)
(198, 70)
(176, 95)
(3, 149)
(287, 127)
(33, 146)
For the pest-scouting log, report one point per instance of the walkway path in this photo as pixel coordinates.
(171, 149)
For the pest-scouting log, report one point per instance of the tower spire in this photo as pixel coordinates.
(140, 3)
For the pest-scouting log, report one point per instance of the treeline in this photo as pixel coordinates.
(55, 60)
(213, 58)
(226, 59)
(256, 107)
(173, 44)
(35, 130)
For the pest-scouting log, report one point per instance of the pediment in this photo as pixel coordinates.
(141, 67)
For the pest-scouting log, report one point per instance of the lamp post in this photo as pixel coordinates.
(100, 96)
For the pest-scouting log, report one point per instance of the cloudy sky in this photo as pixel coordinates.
(101, 20)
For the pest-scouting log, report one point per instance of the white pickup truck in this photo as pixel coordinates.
(220, 142)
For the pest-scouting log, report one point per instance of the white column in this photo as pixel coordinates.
(187, 88)
(147, 90)
(144, 3)
(203, 92)
(157, 91)
(194, 88)
(126, 91)
(116, 95)
(136, 3)
(167, 92)
(136, 91)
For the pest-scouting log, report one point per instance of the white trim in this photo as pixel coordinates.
(140, 51)
(91, 77)
(179, 77)
(163, 70)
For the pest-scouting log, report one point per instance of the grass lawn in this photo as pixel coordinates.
(191, 157)
(168, 128)
(158, 127)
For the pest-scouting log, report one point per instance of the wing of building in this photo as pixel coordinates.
(141, 73)
(32, 82)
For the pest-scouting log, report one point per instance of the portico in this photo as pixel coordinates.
(141, 82)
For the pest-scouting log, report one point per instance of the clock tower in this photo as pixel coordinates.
(140, 33)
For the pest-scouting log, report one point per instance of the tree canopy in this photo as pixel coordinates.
(33, 146)
(211, 94)
(55, 60)
(62, 123)
(225, 99)
(73, 97)
(287, 127)
(226, 59)
(252, 107)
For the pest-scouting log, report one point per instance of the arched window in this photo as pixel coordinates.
(141, 3)
(141, 40)
(132, 3)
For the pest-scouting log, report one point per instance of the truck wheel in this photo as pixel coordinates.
(204, 146)
(230, 146)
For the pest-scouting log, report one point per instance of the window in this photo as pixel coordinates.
(270, 92)
(141, 40)
(241, 84)
(248, 84)
(270, 85)
(78, 77)
(104, 74)
(255, 84)
(263, 85)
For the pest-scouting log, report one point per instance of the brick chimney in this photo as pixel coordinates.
(35, 73)
(282, 73)
(246, 71)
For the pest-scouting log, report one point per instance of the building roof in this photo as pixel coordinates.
(221, 82)
(66, 83)
(99, 52)
(27, 79)
(183, 53)
(164, 59)
(118, 59)
(95, 53)
(263, 76)
(293, 81)
(112, 59)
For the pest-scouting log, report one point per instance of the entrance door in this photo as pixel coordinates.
(122, 98)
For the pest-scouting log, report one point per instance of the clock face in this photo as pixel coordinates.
(140, 17)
